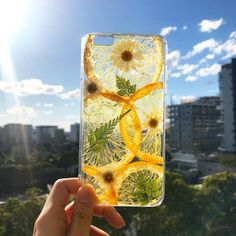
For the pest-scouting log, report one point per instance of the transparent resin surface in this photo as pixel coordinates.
(122, 115)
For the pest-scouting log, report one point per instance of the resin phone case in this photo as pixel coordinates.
(122, 118)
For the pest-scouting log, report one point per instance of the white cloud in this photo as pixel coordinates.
(232, 35)
(191, 78)
(29, 87)
(210, 56)
(208, 71)
(167, 30)
(213, 92)
(175, 75)
(74, 94)
(73, 117)
(207, 57)
(185, 27)
(200, 47)
(38, 104)
(187, 68)
(48, 112)
(48, 105)
(173, 59)
(210, 25)
(21, 109)
(203, 60)
(175, 97)
(21, 114)
(228, 47)
(188, 98)
(71, 104)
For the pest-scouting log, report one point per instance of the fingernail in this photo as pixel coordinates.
(122, 222)
(85, 194)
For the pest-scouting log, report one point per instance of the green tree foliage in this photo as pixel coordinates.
(2, 158)
(219, 193)
(228, 160)
(17, 217)
(206, 210)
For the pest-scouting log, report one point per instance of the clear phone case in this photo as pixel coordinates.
(122, 133)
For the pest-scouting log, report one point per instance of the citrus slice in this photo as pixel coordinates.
(131, 57)
(141, 184)
(97, 186)
(160, 58)
(132, 142)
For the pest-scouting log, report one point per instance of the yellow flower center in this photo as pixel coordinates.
(92, 88)
(126, 55)
(153, 123)
(108, 177)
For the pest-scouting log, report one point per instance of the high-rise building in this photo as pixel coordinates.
(194, 126)
(17, 135)
(227, 84)
(60, 137)
(74, 132)
(1, 138)
(45, 134)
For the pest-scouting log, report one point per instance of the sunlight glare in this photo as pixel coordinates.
(12, 13)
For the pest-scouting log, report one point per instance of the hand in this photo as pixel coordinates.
(58, 218)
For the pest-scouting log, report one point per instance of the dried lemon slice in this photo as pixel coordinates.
(133, 184)
(140, 61)
(141, 184)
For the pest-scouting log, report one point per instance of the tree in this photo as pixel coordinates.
(17, 217)
(228, 160)
(219, 192)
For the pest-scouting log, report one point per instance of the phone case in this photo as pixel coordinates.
(122, 134)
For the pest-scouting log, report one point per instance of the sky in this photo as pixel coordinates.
(40, 50)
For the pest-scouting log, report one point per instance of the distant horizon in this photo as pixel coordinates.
(35, 126)
(188, 100)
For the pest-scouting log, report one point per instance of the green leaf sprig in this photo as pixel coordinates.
(146, 189)
(124, 86)
(98, 138)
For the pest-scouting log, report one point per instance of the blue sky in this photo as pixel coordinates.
(40, 53)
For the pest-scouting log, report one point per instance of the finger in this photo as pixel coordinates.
(61, 190)
(69, 211)
(108, 212)
(83, 211)
(111, 216)
(95, 231)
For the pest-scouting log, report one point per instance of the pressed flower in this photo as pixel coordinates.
(92, 89)
(150, 113)
(137, 60)
(127, 55)
(153, 122)
(108, 177)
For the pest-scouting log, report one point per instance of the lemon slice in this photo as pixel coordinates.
(141, 184)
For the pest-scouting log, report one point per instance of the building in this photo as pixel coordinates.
(227, 84)
(194, 126)
(16, 135)
(74, 132)
(1, 138)
(208, 166)
(45, 134)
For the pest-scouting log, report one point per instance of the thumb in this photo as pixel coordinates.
(83, 211)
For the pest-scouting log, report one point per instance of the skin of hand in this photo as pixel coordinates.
(61, 218)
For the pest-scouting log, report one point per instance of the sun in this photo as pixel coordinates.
(12, 14)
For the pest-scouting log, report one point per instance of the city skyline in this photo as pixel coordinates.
(41, 126)
(40, 62)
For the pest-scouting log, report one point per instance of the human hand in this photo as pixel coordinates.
(59, 218)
